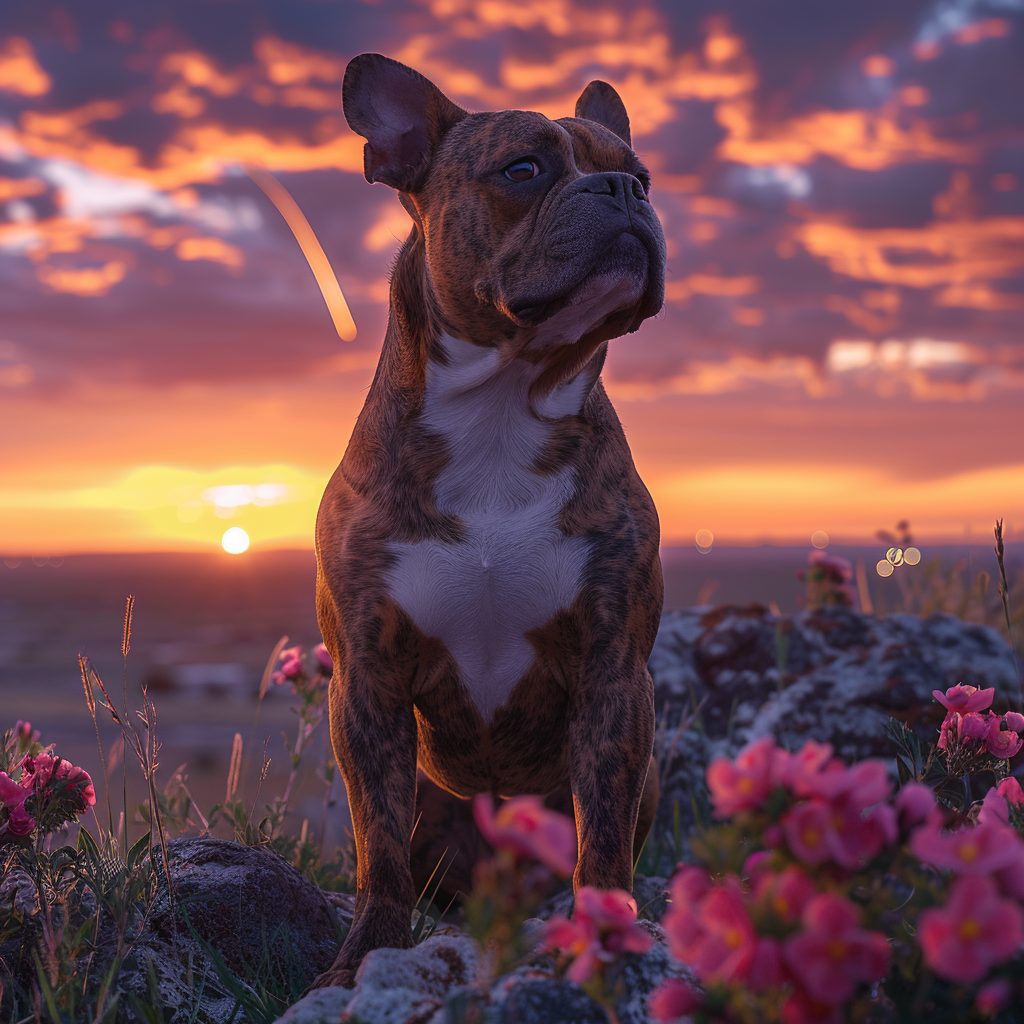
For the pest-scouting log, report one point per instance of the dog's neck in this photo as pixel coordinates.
(555, 360)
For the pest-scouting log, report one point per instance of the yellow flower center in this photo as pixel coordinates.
(837, 949)
(969, 852)
(970, 930)
(811, 837)
(733, 938)
(781, 905)
(745, 785)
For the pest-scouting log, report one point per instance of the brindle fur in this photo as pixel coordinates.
(491, 265)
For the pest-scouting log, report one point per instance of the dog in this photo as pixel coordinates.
(488, 581)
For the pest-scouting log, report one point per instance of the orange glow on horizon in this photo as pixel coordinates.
(163, 508)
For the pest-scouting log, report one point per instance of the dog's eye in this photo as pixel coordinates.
(522, 170)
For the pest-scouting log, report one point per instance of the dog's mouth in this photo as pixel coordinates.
(618, 291)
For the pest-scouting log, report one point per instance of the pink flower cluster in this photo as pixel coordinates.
(292, 667)
(828, 578)
(982, 922)
(807, 946)
(41, 775)
(525, 828)
(834, 813)
(603, 927)
(970, 725)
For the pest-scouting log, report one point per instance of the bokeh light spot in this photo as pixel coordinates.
(819, 539)
(911, 556)
(704, 540)
(894, 556)
(235, 540)
(884, 567)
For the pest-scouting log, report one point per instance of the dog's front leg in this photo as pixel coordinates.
(373, 730)
(611, 736)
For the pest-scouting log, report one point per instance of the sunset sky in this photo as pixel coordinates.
(841, 186)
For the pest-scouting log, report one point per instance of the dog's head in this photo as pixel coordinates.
(533, 228)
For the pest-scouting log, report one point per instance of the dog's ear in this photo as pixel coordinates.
(600, 102)
(401, 114)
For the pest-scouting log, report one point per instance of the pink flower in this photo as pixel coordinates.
(23, 730)
(757, 865)
(1010, 878)
(949, 731)
(802, 769)
(602, 929)
(993, 997)
(20, 822)
(526, 828)
(974, 727)
(800, 1008)
(914, 802)
(672, 999)
(767, 969)
(785, 895)
(808, 831)
(971, 851)
(833, 955)
(964, 699)
(13, 796)
(715, 936)
(744, 783)
(1014, 720)
(44, 769)
(323, 658)
(974, 931)
(688, 887)
(1010, 790)
(993, 808)
(1002, 742)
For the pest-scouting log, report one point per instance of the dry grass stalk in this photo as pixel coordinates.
(126, 642)
(234, 768)
(90, 701)
(1004, 593)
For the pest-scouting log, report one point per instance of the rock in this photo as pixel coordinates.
(724, 676)
(543, 1001)
(251, 906)
(247, 903)
(396, 986)
(321, 1006)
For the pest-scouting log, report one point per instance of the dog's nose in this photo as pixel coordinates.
(613, 183)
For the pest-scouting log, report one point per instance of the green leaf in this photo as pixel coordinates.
(139, 850)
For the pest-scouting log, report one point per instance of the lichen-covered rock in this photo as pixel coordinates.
(396, 986)
(250, 905)
(246, 903)
(724, 676)
(321, 1006)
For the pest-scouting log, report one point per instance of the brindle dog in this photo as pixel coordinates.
(488, 578)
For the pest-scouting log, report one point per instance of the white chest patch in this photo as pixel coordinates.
(515, 568)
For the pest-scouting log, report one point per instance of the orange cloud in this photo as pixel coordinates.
(941, 253)
(82, 280)
(717, 377)
(711, 284)
(978, 295)
(20, 72)
(865, 139)
(18, 188)
(214, 249)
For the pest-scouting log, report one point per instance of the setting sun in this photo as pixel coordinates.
(235, 540)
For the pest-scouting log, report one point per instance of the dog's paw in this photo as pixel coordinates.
(343, 976)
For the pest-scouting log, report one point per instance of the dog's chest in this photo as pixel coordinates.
(516, 568)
